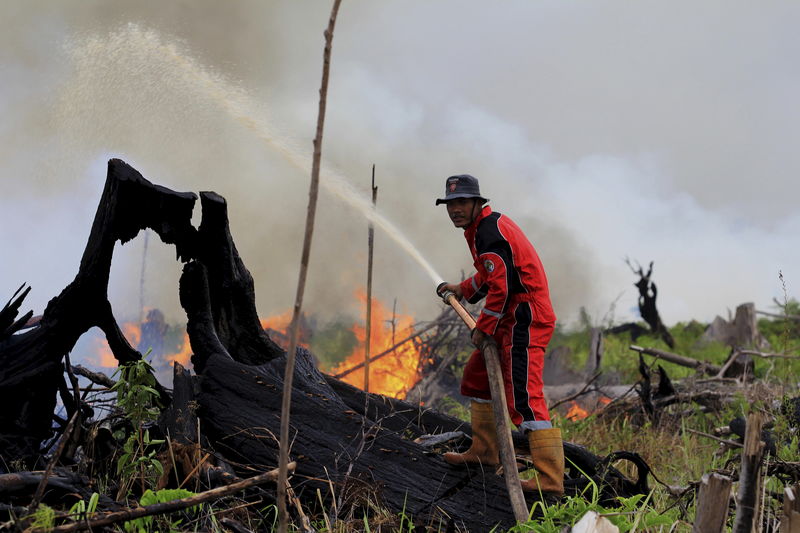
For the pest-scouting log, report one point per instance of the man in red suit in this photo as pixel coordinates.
(518, 314)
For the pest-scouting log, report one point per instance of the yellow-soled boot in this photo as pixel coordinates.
(484, 448)
(547, 452)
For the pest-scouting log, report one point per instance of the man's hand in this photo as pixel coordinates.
(478, 337)
(455, 288)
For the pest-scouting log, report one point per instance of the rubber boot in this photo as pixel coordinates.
(547, 452)
(484, 449)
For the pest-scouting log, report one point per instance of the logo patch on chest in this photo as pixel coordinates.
(488, 265)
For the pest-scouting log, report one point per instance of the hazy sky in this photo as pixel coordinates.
(660, 131)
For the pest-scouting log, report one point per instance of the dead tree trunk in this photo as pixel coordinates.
(647, 304)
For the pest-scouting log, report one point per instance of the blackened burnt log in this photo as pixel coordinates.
(583, 466)
(31, 366)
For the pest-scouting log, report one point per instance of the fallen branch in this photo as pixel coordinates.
(169, 507)
(776, 315)
(703, 366)
(95, 377)
(710, 436)
(769, 355)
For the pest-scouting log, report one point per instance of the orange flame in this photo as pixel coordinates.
(576, 412)
(393, 374)
(279, 322)
(106, 358)
(133, 333)
(183, 355)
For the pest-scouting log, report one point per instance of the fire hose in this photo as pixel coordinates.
(492, 358)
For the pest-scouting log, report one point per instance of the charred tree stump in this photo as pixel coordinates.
(790, 520)
(713, 501)
(747, 497)
(647, 304)
(31, 362)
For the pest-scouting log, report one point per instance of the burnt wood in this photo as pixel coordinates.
(31, 361)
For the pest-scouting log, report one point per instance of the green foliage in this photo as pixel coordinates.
(43, 518)
(782, 333)
(145, 523)
(139, 400)
(136, 393)
(452, 407)
(138, 456)
(334, 342)
(632, 514)
(81, 510)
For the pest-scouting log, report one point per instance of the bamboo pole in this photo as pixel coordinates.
(370, 251)
(301, 283)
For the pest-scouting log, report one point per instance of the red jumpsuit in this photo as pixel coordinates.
(517, 314)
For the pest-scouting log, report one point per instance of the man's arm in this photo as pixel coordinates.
(497, 264)
(474, 288)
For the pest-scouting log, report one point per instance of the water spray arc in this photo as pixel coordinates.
(239, 108)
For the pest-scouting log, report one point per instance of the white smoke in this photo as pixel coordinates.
(595, 127)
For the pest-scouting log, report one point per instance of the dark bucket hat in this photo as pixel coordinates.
(461, 186)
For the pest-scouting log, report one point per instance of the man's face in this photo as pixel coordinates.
(462, 211)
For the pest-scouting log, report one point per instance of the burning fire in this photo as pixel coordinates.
(133, 333)
(106, 359)
(576, 412)
(183, 355)
(393, 374)
(278, 323)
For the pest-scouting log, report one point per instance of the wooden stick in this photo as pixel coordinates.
(370, 251)
(776, 315)
(301, 283)
(37, 496)
(175, 505)
(95, 377)
(769, 355)
(504, 438)
(714, 437)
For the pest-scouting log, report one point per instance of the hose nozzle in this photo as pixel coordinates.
(442, 292)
